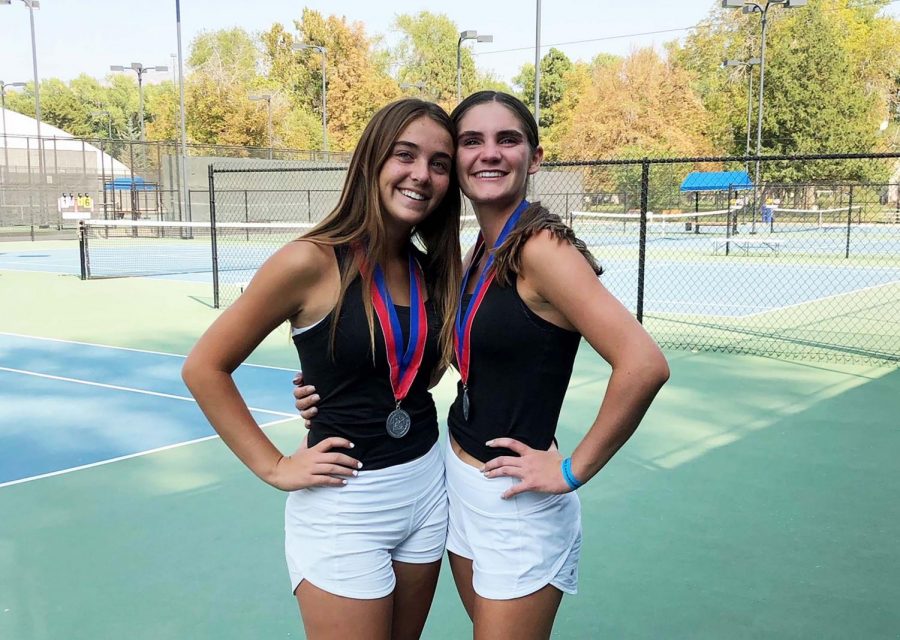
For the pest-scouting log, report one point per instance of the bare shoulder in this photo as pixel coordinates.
(544, 252)
(302, 261)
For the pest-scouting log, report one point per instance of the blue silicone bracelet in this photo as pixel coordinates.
(568, 476)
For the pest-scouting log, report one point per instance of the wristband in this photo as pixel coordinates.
(568, 476)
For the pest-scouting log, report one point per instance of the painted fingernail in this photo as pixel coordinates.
(355, 473)
(351, 445)
(343, 482)
(315, 397)
(359, 465)
(489, 443)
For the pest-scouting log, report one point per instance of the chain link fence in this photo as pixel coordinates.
(122, 180)
(704, 256)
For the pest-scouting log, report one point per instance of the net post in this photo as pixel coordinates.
(212, 236)
(82, 250)
(642, 245)
(849, 222)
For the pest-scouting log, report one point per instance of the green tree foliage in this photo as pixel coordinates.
(555, 69)
(426, 55)
(829, 70)
(358, 83)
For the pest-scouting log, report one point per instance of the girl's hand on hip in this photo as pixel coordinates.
(537, 470)
(316, 466)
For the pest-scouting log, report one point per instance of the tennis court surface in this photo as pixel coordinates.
(758, 498)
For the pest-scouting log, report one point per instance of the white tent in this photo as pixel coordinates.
(62, 152)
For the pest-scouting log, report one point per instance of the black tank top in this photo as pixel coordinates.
(355, 391)
(519, 370)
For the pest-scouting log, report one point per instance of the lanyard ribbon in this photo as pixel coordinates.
(462, 333)
(404, 363)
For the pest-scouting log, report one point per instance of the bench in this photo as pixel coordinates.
(746, 244)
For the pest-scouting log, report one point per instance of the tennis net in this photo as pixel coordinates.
(598, 228)
(123, 248)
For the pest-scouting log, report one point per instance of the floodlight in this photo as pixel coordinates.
(732, 4)
(790, 4)
(162, 68)
(116, 67)
(468, 34)
(484, 39)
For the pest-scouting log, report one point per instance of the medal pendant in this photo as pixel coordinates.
(398, 423)
(465, 404)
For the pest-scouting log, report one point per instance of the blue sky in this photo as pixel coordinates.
(86, 36)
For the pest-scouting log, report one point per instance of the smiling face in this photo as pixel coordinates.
(494, 157)
(415, 177)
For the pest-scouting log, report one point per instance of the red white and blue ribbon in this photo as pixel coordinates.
(462, 334)
(404, 361)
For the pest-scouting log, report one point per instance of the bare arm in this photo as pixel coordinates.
(279, 291)
(559, 274)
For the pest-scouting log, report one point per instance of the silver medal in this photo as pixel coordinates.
(465, 404)
(398, 423)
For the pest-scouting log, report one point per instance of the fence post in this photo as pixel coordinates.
(212, 236)
(728, 222)
(849, 222)
(246, 215)
(642, 247)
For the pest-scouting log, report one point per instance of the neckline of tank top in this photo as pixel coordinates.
(296, 331)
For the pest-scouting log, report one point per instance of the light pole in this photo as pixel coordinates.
(185, 189)
(3, 86)
(468, 34)
(747, 64)
(97, 114)
(299, 46)
(32, 5)
(140, 70)
(537, 65)
(104, 112)
(749, 6)
(268, 98)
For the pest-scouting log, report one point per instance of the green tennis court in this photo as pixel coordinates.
(758, 499)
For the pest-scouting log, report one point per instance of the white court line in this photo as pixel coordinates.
(836, 295)
(107, 346)
(127, 457)
(115, 387)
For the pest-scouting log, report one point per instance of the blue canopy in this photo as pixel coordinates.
(126, 184)
(716, 181)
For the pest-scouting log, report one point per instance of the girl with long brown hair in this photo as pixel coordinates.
(370, 294)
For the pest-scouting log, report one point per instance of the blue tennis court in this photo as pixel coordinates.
(65, 404)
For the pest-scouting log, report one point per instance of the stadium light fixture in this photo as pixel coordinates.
(300, 46)
(140, 70)
(468, 34)
(763, 9)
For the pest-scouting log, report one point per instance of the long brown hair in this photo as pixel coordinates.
(358, 219)
(507, 258)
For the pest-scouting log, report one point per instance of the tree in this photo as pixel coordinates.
(357, 77)
(829, 70)
(555, 67)
(641, 101)
(426, 54)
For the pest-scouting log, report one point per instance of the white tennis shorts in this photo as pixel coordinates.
(517, 546)
(344, 539)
